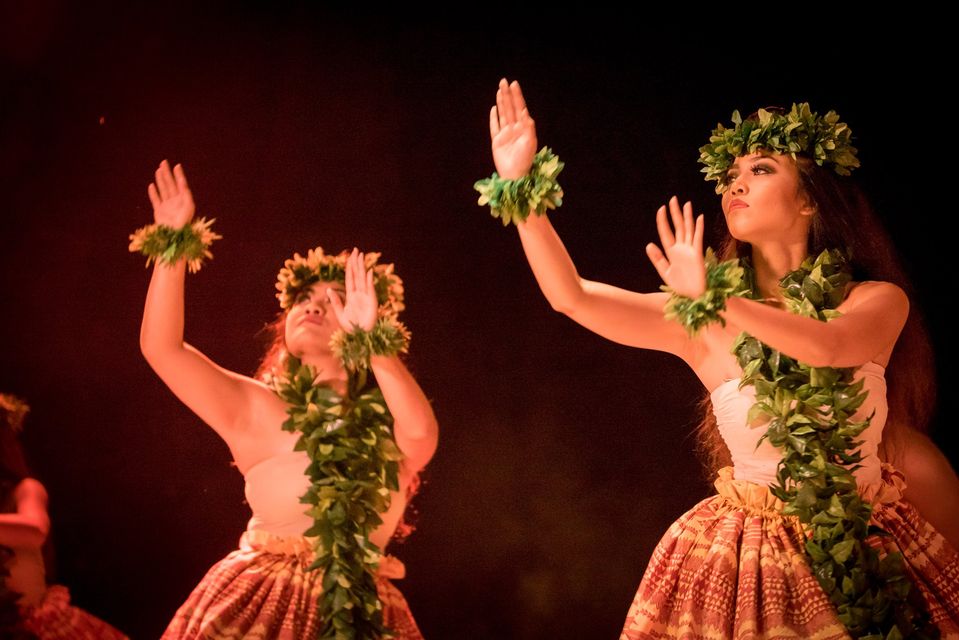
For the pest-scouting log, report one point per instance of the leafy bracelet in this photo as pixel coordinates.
(161, 243)
(388, 337)
(723, 281)
(513, 200)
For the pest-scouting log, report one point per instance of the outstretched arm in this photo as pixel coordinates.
(872, 315)
(623, 316)
(414, 424)
(30, 525)
(219, 397)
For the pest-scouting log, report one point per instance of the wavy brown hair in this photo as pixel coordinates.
(844, 219)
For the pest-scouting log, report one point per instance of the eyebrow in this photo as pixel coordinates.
(735, 164)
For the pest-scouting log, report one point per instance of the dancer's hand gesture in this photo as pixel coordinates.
(512, 131)
(171, 197)
(682, 267)
(359, 309)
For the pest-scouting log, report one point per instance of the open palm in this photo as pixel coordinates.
(512, 131)
(171, 197)
(359, 309)
(682, 267)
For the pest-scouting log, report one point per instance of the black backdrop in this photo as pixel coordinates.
(563, 457)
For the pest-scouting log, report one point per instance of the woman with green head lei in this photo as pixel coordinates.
(793, 331)
(330, 437)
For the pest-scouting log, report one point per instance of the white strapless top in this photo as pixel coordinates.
(758, 464)
(273, 489)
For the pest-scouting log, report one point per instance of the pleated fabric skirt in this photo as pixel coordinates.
(263, 591)
(734, 567)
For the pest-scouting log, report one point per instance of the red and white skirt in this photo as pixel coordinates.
(734, 567)
(263, 590)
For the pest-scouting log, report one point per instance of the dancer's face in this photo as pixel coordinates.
(764, 200)
(311, 322)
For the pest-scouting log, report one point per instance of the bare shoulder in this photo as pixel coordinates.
(265, 406)
(261, 434)
(886, 294)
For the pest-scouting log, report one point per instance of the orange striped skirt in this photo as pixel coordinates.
(263, 590)
(734, 567)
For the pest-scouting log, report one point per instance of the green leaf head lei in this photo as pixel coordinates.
(354, 348)
(299, 273)
(824, 139)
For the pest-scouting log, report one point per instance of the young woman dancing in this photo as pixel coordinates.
(792, 331)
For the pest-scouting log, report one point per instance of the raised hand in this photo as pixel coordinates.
(171, 197)
(512, 131)
(682, 267)
(359, 309)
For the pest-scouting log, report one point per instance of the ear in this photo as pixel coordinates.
(807, 206)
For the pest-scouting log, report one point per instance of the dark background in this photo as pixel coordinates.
(563, 457)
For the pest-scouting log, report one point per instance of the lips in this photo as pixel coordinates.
(310, 319)
(737, 204)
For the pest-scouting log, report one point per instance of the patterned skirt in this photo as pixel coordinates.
(56, 619)
(735, 567)
(263, 591)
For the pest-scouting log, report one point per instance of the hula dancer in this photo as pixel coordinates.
(330, 438)
(792, 330)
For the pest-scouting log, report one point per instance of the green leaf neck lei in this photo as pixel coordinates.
(811, 420)
(354, 465)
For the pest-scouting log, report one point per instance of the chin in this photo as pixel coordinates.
(739, 231)
(313, 344)
(743, 229)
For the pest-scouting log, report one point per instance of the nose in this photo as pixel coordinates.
(315, 306)
(738, 186)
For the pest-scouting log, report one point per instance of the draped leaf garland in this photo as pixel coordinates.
(354, 465)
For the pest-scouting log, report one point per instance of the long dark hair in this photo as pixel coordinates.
(844, 219)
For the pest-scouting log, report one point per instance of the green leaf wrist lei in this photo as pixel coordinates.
(164, 244)
(513, 200)
(723, 280)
